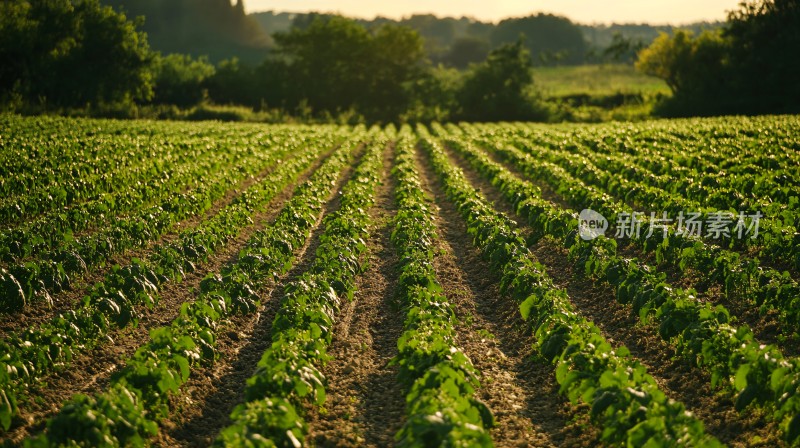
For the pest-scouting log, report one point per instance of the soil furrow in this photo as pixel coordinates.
(520, 390)
(365, 403)
(91, 371)
(37, 313)
(766, 327)
(674, 375)
(204, 406)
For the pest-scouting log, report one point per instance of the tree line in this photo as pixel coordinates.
(84, 54)
(551, 40)
(749, 66)
(81, 53)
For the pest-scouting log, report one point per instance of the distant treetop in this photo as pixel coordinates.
(215, 28)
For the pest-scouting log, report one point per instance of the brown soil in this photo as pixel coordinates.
(675, 376)
(766, 327)
(203, 408)
(90, 371)
(365, 405)
(521, 391)
(37, 313)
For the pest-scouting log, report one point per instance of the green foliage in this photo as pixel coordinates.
(466, 51)
(689, 65)
(741, 69)
(441, 407)
(288, 371)
(762, 37)
(72, 53)
(547, 35)
(179, 79)
(160, 367)
(498, 89)
(201, 28)
(264, 423)
(236, 83)
(115, 418)
(624, 399)
(552, 40)
(434, 96)
(369, 72)
(756, 374)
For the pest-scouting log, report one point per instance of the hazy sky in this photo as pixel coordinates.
(583, 11)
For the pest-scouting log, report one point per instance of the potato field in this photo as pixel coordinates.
(243, 285)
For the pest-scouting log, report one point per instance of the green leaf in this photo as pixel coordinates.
(526, 306)
(793, 430)
(8, 408)
(740, 382)
(183, 364)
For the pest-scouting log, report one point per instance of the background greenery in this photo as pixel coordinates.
(200, 59)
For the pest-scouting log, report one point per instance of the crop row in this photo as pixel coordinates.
(713, 147)
(776, 238)
(757, 175)
(741, 277)
(129, 411)
(38, 152)
(83, 191)
(49, 230)
(624, 400)
(41, 153)
(288, 376)
(700, 331)
(441, 407)
(73, 190)
(27, 281)
(120, 299)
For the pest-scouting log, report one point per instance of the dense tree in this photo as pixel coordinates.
(335, 64)
(466, 51)
(748, 67)
(686, 63)
(72, 53)
(213, 28)
(329, 62)
(764, 46)
(499, 88)
(397, 62)
(234, 83)
(438, 33)
(179, 79)
(550, 39)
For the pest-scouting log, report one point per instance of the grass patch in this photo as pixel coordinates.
(606, 79)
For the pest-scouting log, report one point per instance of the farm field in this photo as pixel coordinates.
(513, 284)
(600, 79)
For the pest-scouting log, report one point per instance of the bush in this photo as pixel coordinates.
(500, 89)
(746, 68)
(179, 79)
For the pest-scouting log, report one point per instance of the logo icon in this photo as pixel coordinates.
(591, 224)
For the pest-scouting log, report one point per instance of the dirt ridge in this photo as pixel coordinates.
(365, 405)
(63, 301)
(90, 371)
(521, 391)
(203, 407)
(675, 376)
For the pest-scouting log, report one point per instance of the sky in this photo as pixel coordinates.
(674, 12)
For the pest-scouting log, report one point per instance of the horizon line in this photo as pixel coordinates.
(466, 16)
